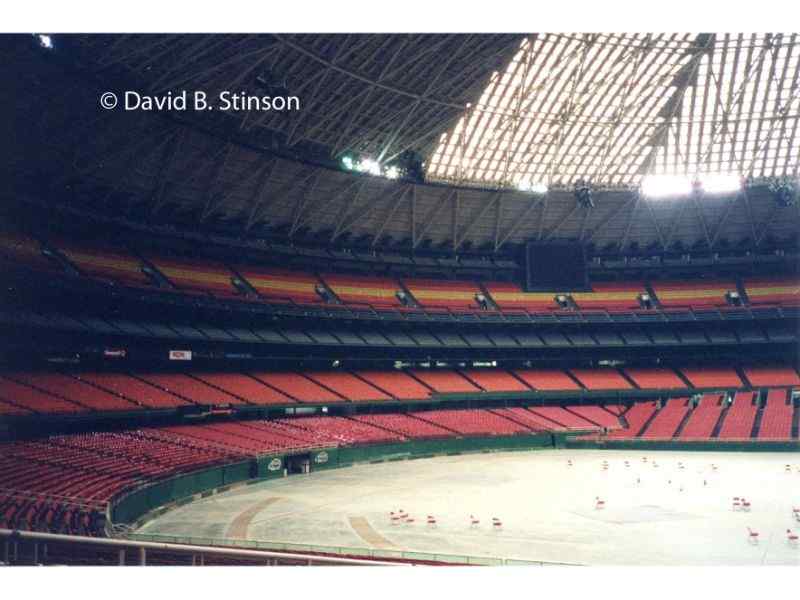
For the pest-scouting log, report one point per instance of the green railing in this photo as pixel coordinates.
(371, 553)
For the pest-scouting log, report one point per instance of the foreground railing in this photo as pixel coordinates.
(405, 556)
(30, 547)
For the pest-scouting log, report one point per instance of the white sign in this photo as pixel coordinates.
(180, 355)
(274, 464)
(322, 457)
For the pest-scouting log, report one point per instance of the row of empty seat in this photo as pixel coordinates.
(52, 393)
(714, 418)
(204, 276)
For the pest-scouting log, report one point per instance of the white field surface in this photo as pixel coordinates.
(547, 508)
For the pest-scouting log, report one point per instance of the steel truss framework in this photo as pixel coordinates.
(160, 169)
(610, 108)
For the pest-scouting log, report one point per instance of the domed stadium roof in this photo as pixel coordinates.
(492, 117)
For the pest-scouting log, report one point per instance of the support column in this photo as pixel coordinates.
(142, 557)
(121, 557)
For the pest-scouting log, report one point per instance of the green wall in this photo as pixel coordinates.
(131, 507)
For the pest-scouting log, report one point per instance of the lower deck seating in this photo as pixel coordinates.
(668, 418)
(345, 431)
(636, 416)
(406, 425)
(704, 417)
(563, 417)
(529, 419)
(738, 422)
(597, 416)
(776, 418)
(473, 422)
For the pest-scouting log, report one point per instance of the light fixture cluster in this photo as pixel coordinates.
(666, 186)
(45, 41)
(534, 187)
(371, 166)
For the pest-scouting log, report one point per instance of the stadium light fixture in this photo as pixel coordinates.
(45, 41)
(666, 186)
(720, 183)
(533, 187)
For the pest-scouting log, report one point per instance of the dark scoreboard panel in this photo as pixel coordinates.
(555, 267)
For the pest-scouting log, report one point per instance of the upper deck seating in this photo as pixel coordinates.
(693, 294)
(495, 380)
(76, 391)
(374, 291)
(782, 291)
(614, 297)
(20, 249)
(347, 385)
(243, 386)
(103, 261)
(444, 381)
(34, 399)
(529, 419)
(295, 385)
(453, 295)
(278, 285)
(397, 383)
(655, 378)
(201, 276)
(510, 297)
(191, 389)
(712, 377)
(772, 376)
(601, 379)
(546, 379)
(134, 389)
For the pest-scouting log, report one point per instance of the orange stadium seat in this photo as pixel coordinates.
(665, 423)
(347, 385)
(373, 291)
(509, 296)
(298, 387)
(547, 379)
(772, 376)
(704, 418)
(636, 416)
(601, 379)
(712, 377)
(655, 378)
(738, 422)
(397, 383)
(453, 295)
(104, 262)
(609, 296)
(695, 294)
(280, 285)
(20, 249)
(197, 276)
(495, 380)
(776, 419)
(445, 381)
(780, 291)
